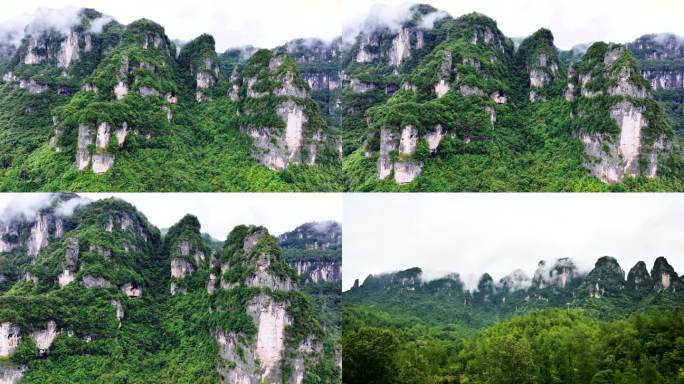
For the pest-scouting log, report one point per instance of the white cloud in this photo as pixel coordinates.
(27, 205)
(16, 205)
(97, 25)
(262, 23)
(497, 233)
(269, 23)
(219, 213)
(67, 208)
(572, 22)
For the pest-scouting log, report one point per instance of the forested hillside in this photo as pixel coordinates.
(452, 104)
(427, 102)
(98, 295)
(121, 107)
(559, 326)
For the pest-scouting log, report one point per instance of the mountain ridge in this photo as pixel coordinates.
(110, 282)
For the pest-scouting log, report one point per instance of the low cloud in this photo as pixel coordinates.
(324, 226)
(60, 20)
(67, 207)
(381, 16)
(25, 206)
(97, 25)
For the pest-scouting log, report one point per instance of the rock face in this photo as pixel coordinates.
(120, 90)
(181, 268)
(638, 278)
(39, 235)
(33, 87)
(263, 278)
(118, 310)
(278, 150)
(541, 62)
(404, 171)
(323, 235)
(69, 49)
(611, 157)
(85, 139)
(565, 271)
(32, 234)
(664, 276)
(101, 161)
(271, 320)
(401, 48)
(294, 118)
(302, 136)
(131, 290)
(10, 337)
(259, 358)
(318, 271)
(607, 278)
(468, 90)
(653, 49)
(70, 263)
(562, 273)
(44, 338)
(664, 79)
(11, 375)
(90, 281)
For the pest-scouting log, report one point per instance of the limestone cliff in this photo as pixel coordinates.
(252, 259)
(314, 251)
(276, 111)
(640, 140)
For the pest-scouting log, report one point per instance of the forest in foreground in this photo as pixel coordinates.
(561, 325)
(546, 346)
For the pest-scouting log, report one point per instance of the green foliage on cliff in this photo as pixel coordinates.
(158, 336)
(531, 142)
(197, 147)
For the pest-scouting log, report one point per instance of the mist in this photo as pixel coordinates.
(43, 19)
(25, 206)
(471, 234)
(380, 16)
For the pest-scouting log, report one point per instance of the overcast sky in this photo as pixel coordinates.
(220, 212)
(498, 233)
(269, 23)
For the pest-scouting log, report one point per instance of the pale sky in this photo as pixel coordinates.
(498, 233)
(218, 213)
(269, 23)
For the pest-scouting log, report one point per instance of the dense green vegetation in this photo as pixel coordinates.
(399, 329)
(198, 147)
(499, 131)
(107, 335)
(547, 346)
(527, 143)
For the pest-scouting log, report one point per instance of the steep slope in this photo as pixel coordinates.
(121, 110)
(464, 110)
(83, 294)
(24, 235)
(111, 299)
(622, 128)
(372, 65)
(314, 250)
(661, 58)
(275, 110)
(319, 63)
